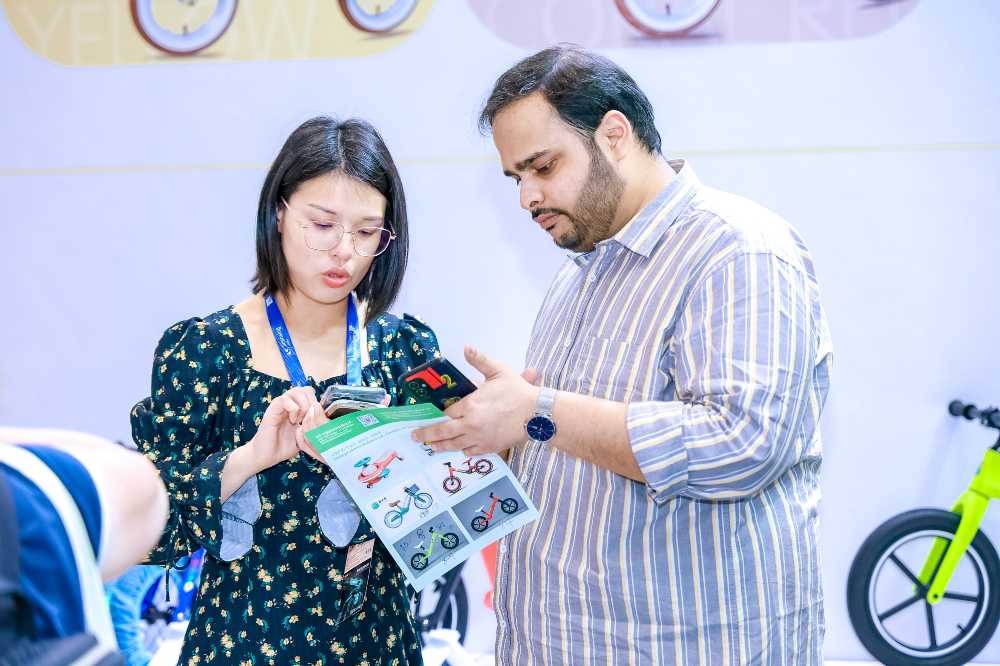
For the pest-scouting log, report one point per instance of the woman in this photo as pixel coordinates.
(233, 392)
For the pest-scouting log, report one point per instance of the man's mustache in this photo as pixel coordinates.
(545, 211)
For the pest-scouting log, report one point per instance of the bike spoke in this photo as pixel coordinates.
(930, 624)
(907, 572)
(900, 606)
(962, 597)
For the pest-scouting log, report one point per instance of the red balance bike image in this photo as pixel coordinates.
(452, 484)
(373, 472)
(509, 505)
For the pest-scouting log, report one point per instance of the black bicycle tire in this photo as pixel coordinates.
(863, 568)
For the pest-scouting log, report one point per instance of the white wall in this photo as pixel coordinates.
(128, 195)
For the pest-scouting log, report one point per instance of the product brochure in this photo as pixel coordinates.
(431, 510)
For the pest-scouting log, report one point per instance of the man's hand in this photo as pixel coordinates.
(492, 418)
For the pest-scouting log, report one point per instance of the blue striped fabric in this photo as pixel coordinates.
(703, 314)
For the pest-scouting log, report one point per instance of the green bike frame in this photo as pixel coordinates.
(971, 506)
(435, 536)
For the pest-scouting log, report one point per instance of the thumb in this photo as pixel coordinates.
(483, 363)
(530, 375)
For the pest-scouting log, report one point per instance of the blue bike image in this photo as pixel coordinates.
(414, 497)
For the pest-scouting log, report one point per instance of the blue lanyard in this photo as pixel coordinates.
(291, 359)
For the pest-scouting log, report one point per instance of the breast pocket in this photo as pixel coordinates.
(603, 367)
(622, 370)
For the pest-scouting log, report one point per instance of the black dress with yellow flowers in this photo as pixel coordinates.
(272, 587)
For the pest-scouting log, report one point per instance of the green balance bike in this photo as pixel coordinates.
(925, 586)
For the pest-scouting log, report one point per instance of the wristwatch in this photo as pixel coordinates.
(541, 427)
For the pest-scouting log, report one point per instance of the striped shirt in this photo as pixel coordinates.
(703, 315)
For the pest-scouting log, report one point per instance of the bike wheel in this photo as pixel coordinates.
(380, 21)
(650, 17)
(887, 602)
(484, 466)
(455, 609)
(452, 484)
(509, 505)
(418, 561)
(393, 519)
(186, 42)
(449, 540)
(479, 523)
(423, 500)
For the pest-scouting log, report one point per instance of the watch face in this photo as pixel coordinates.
(541, 428)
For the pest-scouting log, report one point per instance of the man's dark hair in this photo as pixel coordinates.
(324, 145)
(581, 86)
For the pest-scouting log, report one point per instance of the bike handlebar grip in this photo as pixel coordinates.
(966, 410)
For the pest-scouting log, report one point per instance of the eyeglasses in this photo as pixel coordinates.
(324, 235)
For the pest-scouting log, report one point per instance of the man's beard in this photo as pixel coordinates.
(595, 208)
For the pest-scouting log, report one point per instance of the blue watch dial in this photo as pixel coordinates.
(541, 428)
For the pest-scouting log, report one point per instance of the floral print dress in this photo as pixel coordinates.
(273, 589)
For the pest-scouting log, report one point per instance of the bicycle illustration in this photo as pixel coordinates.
(509, 505)
(666, 19)
(185, 27)
(924, 587)
(373, 472)
(452, 484)
(419, 560)
(422, 500)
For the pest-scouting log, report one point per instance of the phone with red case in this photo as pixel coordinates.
(438, 382)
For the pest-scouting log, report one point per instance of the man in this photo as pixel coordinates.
(683, 361)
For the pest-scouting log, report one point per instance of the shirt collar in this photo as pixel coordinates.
(643, 232)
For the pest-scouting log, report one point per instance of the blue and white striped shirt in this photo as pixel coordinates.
(702, 314)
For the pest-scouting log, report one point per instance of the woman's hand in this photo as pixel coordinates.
(278, 434)
(314, 418)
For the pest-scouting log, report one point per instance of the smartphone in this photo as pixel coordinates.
(438, 382)
(340, 399)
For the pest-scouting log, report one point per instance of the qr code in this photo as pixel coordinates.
(367, 420)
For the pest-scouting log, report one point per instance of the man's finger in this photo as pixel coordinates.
(438, 432)
(483, 363)
(459, 409)
(530, 375)
(453, 444)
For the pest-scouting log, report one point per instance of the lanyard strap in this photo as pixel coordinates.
(291, 359)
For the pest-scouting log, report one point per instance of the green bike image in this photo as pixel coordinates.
(924, 587)
(449, 540)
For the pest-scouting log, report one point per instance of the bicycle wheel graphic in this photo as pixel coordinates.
(666, 19)
(377, 15)
(452, 484)
(484, 466)
(423, 500)
(509, 505)
(479, 523)
(182, 27)
(887, 599)
(449, 540)
(393, 519)
(418, 561)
